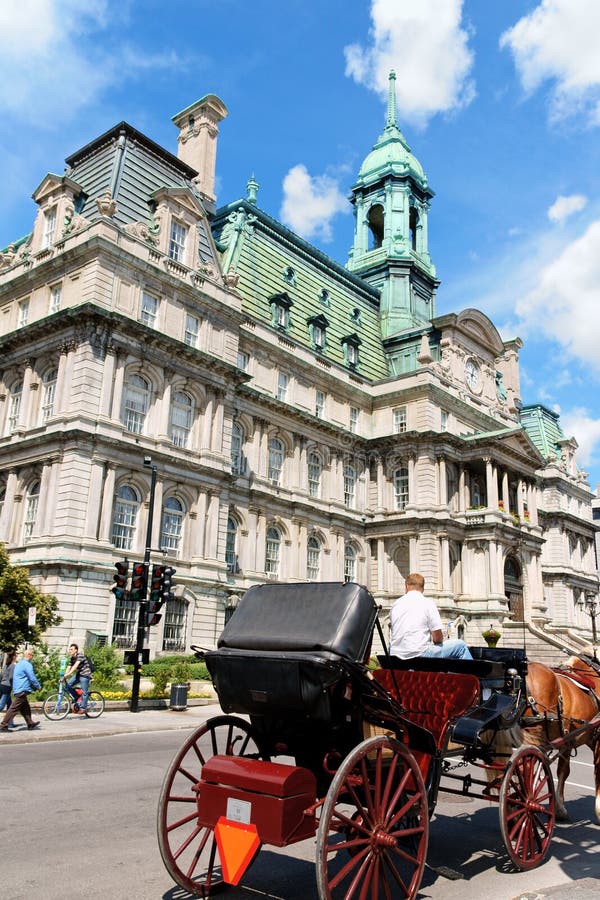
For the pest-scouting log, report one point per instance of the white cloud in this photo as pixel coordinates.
(563, 207)
(558, 42)
(58, 56)
(580, 423)
(563, 304)
(311, 202)
(423, 41)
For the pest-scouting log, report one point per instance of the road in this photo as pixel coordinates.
(78, 819)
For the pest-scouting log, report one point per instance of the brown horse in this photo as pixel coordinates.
(558, 705)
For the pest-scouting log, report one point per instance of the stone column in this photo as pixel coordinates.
(117, 395)
(505, 493)
(445, 563)
(218, 418)
(442, 482)
(520, 506)
(157, 518)
(48, 495)
(412, 484)
(207, 420)
(25, 411)
(108, 494)
(7, 510)
(413, 553)
(163, 425)
(463, 502)
(491, 483)
(381, 580)
(197, 541)
(380, 485)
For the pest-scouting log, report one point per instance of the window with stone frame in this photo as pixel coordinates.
(400, 420)
(49, 382)
(49, 227)
(243, 360)
(148, 309)
(136, 402)
(273, 552)
(32, 502)
(315, 470)
(231, 556)
(14, 406)
(349, 486)
(401, 487)
(124, 629)
(317, 326)
(127, 505)
(281, 305)
(238, 462)
(191, 330)
(276, 457)
(351, 344)
(319, 404)
(350, 563)
(313, 558)
(171, 526)
(181, 419)
(354, 414)
(283, 382)
(23, 317)
(55, 298)
(177, 241)
(175, 626)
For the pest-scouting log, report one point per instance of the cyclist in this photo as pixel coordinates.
(78, 670)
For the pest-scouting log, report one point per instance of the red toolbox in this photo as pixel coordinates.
(271, 796)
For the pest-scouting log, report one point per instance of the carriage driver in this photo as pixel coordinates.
(416, 626)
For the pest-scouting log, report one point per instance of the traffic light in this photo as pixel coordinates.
(119, 589)
(168, 583)
(155, 600)
(138, 582)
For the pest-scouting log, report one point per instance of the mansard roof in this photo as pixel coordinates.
(543, 427)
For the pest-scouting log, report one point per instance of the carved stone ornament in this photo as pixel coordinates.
(8, 258)
(73, 221)
(107, 205)
(231, 278)
(145, 231)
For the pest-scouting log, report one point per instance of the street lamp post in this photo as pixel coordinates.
(143, 605)
(591, 601)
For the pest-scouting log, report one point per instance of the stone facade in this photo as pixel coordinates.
(307, 421)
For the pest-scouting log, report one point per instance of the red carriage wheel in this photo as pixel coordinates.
(374, 826)
(189, 850)
(527, 808)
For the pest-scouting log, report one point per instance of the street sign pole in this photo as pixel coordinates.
(143, 606)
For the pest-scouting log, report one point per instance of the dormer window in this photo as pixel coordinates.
(318, 331)
(289, 275)
(280, 311)
(49, 228)
(177, 240)
(355, 315)
(325, 298)
(351, 343)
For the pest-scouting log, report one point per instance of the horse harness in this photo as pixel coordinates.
(546, 716)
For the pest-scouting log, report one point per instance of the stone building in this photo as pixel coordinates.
(307, 421)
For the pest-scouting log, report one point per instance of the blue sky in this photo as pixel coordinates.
(499, 100)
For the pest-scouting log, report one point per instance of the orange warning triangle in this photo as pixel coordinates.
(237, 843)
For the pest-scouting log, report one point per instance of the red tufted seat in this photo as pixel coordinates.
(433, 700)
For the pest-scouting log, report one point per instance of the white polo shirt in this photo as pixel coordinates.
(413, 618)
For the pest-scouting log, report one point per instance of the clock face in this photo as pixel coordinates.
(472, 374)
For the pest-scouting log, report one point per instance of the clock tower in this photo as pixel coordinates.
(391, 202)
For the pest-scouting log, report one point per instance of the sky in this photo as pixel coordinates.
(498, 99)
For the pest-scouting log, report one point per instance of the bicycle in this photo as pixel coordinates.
(59, 704)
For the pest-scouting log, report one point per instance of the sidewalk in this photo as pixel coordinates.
(112, 721)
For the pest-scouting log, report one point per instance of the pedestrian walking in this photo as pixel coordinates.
(24, 682)
(6, 679)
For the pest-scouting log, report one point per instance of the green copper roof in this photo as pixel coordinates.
(543, 427)
(277, 267)
(391, 154)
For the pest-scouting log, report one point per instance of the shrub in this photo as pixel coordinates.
(182, 673)
(107, 660)
(160, 679)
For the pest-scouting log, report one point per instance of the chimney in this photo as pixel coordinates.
(197, 144)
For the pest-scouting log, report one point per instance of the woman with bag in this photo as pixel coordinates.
(6, 679)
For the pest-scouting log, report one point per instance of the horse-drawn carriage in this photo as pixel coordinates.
(328, 748)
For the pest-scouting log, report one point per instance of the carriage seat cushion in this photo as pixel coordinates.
(433, 700)
(329, 617)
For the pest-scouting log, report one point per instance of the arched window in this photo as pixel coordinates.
(32, 501)
(401, 487)
(477, 497)
(272, 552)
(175, 625)
(315, 468)
(237, 445)
(182, 414)
(349, 563)
(136, 400)
(275, 460)
(349, 486)
(231, 558)
(14, 406)
(127, 504)
(171, 526)
(313, 559)
(376, 226)
(48, 394)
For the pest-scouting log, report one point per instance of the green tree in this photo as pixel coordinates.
(17, 594)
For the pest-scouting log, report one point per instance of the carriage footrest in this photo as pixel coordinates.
(467, 729)
(272, 796)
